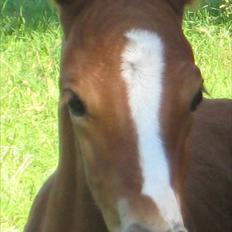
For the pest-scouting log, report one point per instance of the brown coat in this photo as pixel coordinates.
(208, 190)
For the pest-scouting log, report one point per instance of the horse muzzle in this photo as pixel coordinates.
(140, 228)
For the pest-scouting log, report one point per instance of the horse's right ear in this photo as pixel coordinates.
(68, 10)
(64, 2)
(71, 3)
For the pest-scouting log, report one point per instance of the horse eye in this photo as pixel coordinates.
(76, 106)
(196, 100)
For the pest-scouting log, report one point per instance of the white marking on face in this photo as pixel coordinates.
(143, 71)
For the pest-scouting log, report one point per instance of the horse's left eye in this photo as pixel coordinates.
(196, 100)
(76, 106)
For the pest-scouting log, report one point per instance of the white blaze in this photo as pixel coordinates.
(143, 71)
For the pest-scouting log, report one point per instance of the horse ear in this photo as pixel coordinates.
(178, 5)
(64, 2)
(68, 10)
(71, 3)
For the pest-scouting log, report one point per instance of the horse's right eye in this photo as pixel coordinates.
(76, 106)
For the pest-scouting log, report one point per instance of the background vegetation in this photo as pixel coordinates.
(30, 50)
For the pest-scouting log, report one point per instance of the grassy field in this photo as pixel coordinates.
(30, 50)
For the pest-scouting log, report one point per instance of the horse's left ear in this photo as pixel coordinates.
(179, 5)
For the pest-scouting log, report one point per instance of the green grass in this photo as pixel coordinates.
(210, 33)
(30, 50)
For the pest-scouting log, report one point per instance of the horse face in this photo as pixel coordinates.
(130, 84)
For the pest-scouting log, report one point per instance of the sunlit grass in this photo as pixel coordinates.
(210, 37)
(30, 50)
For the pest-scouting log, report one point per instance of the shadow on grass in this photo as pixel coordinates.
(27, 15)
(210, 13)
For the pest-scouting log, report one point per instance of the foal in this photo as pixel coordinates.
(129, 87)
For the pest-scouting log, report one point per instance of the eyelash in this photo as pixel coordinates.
(197, 99)
(76, 106)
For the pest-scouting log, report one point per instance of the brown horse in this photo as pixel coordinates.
(135, 157)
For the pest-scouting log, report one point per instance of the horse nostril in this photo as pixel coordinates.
(137, 228)
(179, 229)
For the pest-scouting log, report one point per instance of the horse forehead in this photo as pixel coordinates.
(138, 56)
(143, 65)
